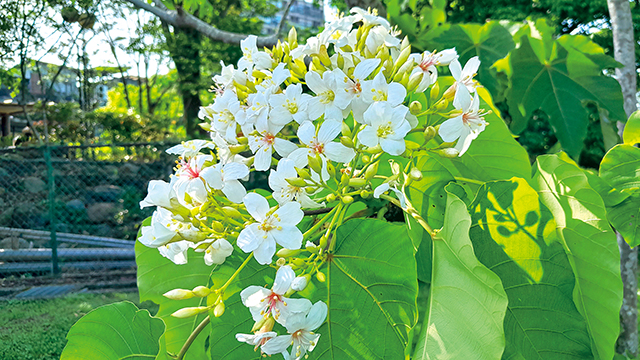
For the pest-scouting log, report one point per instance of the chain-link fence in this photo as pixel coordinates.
(70, 208)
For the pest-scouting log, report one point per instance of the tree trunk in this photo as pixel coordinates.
(624, 52)
(184, 48)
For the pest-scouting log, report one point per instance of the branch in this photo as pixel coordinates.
(284, 17)
(183, 19)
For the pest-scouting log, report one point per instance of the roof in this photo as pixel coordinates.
(13, 108)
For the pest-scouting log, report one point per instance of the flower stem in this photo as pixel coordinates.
(411, 211)
(235, 274)
(192, 337)
(319, 223)
(478, 182)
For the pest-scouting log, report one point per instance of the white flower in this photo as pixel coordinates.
(353, 87)
(387, 127)
(228, 75)
(278, 227)
(162, 230)
(369, 18)
(190, 148)
(465, 76)
(327, 100)
(226, 114)
(322, 145)
(159, 193)
(301, 333)
(292, 105)
(378, 90)
(299, 283)
(258, 109)
(252, 56)
(379, 36)
(192, 177)
(264, 302)
(393, 186)
(466, 126)
(176, 251)
(284, 192)
(426, 64)
(229, 184)
(259, 339)
(263, 144)
(216, 252)
(271, 84)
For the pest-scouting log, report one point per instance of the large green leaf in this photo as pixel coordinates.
(467, 302)
(489, 42)
(494, 155)
(631, 135)
(590, 244)
(115, 331)
(156, 276)
(541, 80)
(620, 168)
(371, 292)
(513, 234)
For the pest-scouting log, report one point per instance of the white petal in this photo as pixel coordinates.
(306, 133)
(284, 277)
(250, 238)
(392, 147)
(380, 190)
(316, 316)
(471, 67)
(277, 345)
(368, 136)
(234, 191)
(262, 160)
(396, 94)
(212, 177)
(284, 147)
(289, 214)
(365, 68)
(252, 296)
(315, 83)
(290, 237)
(256, 205)
(300, 157)
(328, 131)
(264, 253)
(462, 99)
(234, 171)
(456, 69)
(451, 129)
(337, 152)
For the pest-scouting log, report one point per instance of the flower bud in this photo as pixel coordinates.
(201, 291)
(346, 130)
(415, 107)
(434, 92)
(310, 190)
(315, 163)
(293, 38)
(285, 253)
(311, 247)
(179, 294)
(236, 149)
(405, 43)
(340, 61)
(303, 173)
(357, 182)
(429, 133)
(218, 310)
(317, 64)
(344, 179)
(331, 169)
(217, 226)
(194, 211)
(243, 140)
(258, 324)
(205, 126)
(189, 312)
(281, 262)
(404, 55)
(448, 153)
(267, 325)
(374, 150)
(414, 81)
(346, 141)
(323, 241)
(415, 174)
(331, 197)
(324, 55)
(297, 182)
(365, 194)
(366, 158)
(347, 199)
(300, 282)
(405, 67)
(231, 212)
(297, 262)
(320, 276)
(371, 171)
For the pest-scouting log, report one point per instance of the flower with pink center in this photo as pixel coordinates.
(258, 339)
(192, 179)
(264, 141)
(353, 87)
(263, 303)
(464, 76)
(427, 63)
(466, 126)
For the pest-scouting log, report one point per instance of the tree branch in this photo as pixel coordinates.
(284, 17)
(184, 19)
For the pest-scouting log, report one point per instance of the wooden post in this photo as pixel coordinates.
(6, 125)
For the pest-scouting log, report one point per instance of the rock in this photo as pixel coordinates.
(129, 170)
(105, 193)
(15, 243)
(102, 212)
(75, 204)
(34, 185)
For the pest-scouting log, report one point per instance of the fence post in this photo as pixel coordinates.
(55, 269)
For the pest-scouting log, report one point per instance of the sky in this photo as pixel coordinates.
(99, 50)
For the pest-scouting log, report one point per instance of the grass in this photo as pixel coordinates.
(37, 329)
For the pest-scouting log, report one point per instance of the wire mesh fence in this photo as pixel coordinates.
(70, 208)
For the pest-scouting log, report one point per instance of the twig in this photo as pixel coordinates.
(284, 17)
(193, 337)
(317, 211)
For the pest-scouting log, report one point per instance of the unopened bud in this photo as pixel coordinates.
(340, 61)
(414, 81)
(231, 212)
(347, 199)
(371, 171)
(331, 197)
(285, 253)
(324, 55)
(323, 242)
(317, 64)
(404, 55)
(189, 312)
(450, 92)
(346, 141)
(357, 182)
(195, 211)
(366, 158)
(374, 150)
(365, 194)
(448, 153)
(315, 163)
(205, 126)
(310, 190)
(296, 182)
(303, 173)
(217, 226)
(293, 37)
(429, 133)
(218, 310)
(281, 262)
(311, 247)
(258, 324)
(405, 43)
(406, 67)
(268, 324)
(297, 262)
(331, 169)
(236, 149)
(346, 130)
(344, 179)
(415, 174)
(179, 294)
(434, 92)
(243, 140)
(300, 282)
(201, 291)
(320, 276)
(415, 107)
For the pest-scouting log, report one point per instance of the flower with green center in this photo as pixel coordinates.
(292, 105)
(378, 90)
(387, 126)
(326, 102)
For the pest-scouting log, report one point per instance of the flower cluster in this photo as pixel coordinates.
(318, 117)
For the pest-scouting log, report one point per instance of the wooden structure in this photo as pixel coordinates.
(8, 109)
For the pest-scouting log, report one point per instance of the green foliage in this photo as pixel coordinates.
(132, 334)
(471, 326)
(374, 320)
(590, 244)
(631, 135)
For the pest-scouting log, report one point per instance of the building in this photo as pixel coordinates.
(302, 15)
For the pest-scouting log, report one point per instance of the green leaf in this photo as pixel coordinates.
(371, 292)
(631, 135)
(625, 217)
(115, 331)
(489, 42)
(513, 234)
(494, 155)
(467, 302)
(590, 244)
(541, 81)
(156, 276)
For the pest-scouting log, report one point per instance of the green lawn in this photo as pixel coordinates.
(36, 329)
